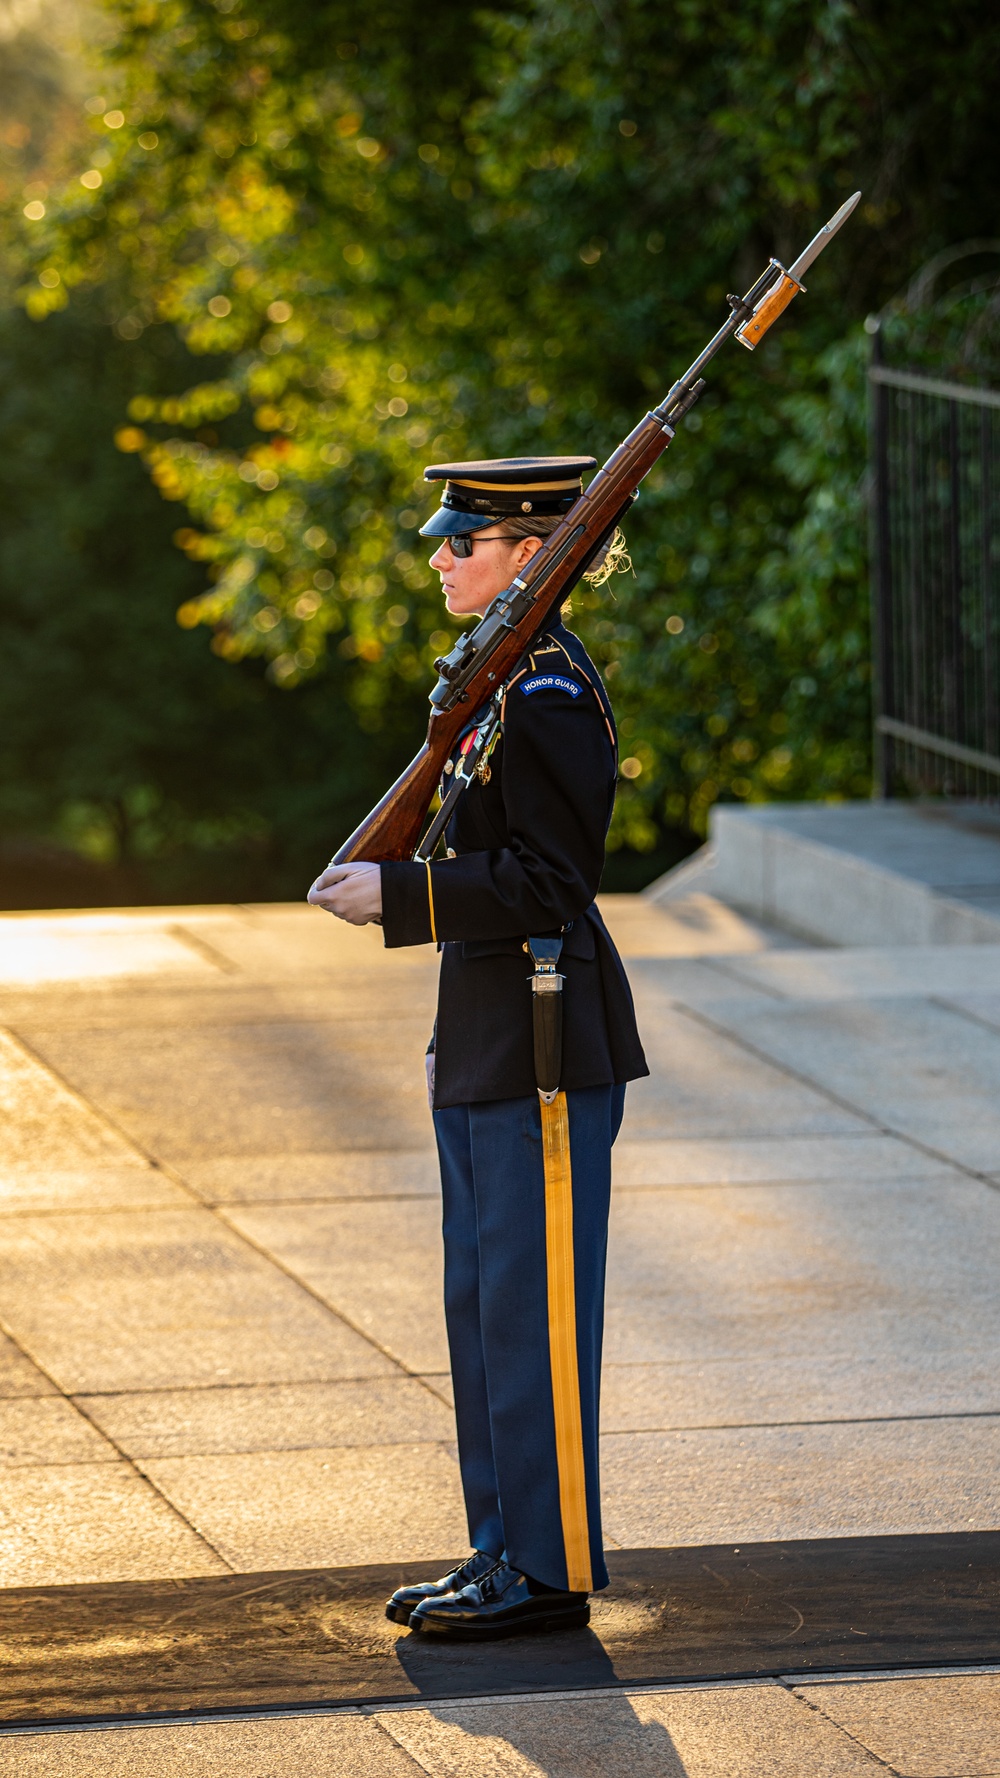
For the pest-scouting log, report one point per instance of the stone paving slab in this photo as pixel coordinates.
(379, 1263)
(891, 971)
(943, 1726)
(90, 1522)
(77, 947)
(27, 1189)
(983, 1008)
(340, 1506)
(828, 1269)
(346, 1744)
(703, 1082)
(18, 1376)
(756, 1484)
(679, 1734)
(49, 1430)
(369, 982)
(919, 1727)
(763, 1160)
(799, 1388)
(686, 1733)
(274, 1417)
(681, 1161)
(695, 926)
(320, 1178)
(689, 981)
(160, 1298)
(42, 1125)
(270, 941)
(914, 1067)
(249, 1089)
(223, 999)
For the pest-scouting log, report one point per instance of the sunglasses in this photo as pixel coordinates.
(461, 542)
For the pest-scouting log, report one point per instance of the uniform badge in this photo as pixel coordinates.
(550, 682)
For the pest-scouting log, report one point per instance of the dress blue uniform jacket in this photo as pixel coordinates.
(529, 852)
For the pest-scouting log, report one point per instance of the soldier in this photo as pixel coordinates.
(526, 1175)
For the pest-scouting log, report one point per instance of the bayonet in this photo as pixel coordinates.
(823, 239)
(783, 286)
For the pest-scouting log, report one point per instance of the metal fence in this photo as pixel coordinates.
(936, 584)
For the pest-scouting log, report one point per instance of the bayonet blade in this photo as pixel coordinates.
(816, 245)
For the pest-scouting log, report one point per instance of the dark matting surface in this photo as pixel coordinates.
(259, 1641)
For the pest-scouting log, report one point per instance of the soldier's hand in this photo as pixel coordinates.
(429, 1066)
(351, 891)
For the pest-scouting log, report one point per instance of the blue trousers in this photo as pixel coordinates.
(526, 1195)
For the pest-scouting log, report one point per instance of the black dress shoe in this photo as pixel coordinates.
(501, 1602)
(405, 1599)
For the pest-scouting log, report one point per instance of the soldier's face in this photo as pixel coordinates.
(471, 583)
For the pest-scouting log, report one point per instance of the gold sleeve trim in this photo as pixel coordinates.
(430, 902)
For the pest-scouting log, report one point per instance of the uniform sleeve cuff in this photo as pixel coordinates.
(406, 905)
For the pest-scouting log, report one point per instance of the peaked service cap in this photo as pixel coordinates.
(481, 493)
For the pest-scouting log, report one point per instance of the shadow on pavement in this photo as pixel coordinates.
(257, 1642)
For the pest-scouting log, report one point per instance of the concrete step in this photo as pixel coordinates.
(872, 873)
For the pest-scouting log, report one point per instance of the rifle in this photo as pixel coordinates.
(472, 675)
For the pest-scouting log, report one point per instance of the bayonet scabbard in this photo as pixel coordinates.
(547, 1014)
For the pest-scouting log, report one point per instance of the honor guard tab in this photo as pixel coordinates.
(481, 493)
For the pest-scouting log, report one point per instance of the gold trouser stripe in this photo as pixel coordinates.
(430, 902)
(562, 1342)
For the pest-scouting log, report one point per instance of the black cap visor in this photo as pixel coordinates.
(447, 522)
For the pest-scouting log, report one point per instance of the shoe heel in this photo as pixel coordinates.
(566, 1620)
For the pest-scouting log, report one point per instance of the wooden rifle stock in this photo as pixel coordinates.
(393, 829)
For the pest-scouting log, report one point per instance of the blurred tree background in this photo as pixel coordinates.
(263, 262)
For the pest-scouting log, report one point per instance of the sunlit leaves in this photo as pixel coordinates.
(508, 233)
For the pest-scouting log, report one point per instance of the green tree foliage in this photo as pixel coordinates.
(397, 236)
(165, 770)
(123, 736)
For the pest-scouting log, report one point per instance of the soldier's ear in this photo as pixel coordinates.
(525, 549)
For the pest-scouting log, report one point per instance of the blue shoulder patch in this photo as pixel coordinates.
(550, 682)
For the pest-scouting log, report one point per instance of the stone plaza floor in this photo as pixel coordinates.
(223, 1349)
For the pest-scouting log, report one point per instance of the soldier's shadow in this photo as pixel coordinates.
(470, 1692)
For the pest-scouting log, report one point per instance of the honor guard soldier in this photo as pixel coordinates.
(525, 1160)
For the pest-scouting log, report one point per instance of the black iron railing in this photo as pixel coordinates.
(936, 584)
